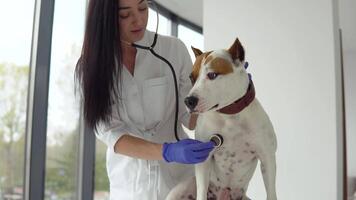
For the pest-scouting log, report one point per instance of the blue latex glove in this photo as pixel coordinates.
(187, 151)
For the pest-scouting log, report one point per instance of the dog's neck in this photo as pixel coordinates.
(241, 103)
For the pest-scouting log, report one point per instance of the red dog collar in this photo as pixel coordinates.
(241, 103)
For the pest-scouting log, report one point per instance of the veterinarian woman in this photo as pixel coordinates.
(128, 98)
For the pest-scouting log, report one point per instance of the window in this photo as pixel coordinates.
(101, 178)
(191, 38)
(15, 52)
(63, 108)
(164, 24)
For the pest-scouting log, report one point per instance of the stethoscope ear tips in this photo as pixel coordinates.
(217, 139)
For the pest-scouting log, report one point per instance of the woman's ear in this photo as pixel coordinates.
(196, 51)
(237, 51)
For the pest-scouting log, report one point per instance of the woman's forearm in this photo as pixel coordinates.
(138, 148)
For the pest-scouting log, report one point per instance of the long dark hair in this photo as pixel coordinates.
(96, 71)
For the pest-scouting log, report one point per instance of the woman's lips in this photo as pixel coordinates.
(136, 31)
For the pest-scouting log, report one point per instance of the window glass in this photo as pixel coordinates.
(16, 19)
(191, 38)
(164, 25)
(101, 178)
(63, 108)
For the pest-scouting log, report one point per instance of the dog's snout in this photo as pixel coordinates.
(191, 102)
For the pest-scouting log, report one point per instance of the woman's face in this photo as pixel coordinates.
(133, 15)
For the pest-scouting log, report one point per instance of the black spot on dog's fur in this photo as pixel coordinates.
(211, 195)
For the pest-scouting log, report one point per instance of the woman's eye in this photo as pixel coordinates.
(142, 9)
(212, 75)
(124, 16)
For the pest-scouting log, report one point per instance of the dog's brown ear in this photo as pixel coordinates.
(237, 51)
(196, 51)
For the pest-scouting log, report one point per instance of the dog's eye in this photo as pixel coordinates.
(212, 75)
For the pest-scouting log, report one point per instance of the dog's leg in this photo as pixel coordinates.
(185, 190)
(268, 169)
(202, 173)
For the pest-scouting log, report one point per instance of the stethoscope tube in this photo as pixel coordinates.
(150, 48)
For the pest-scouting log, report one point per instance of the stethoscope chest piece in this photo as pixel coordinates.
(217, 139)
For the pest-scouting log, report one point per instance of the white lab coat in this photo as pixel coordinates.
(147, 111)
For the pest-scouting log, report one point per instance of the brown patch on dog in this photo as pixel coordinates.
(221, 66)
(197, 65)
(208, 59)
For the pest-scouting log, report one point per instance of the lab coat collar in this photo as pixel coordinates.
(147, 39)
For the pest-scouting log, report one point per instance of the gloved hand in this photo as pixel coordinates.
(187, 151)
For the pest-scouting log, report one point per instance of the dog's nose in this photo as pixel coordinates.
(191, 102)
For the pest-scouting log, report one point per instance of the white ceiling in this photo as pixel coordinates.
(191, 10)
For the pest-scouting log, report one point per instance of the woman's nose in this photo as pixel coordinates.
(137, 19)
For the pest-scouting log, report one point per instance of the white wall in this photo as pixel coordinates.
(350, 101)
(348, 26)
(350, 105)
(290, 46)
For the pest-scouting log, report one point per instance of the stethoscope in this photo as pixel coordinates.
(216, 138)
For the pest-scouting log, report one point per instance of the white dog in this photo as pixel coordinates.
(224, 97)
